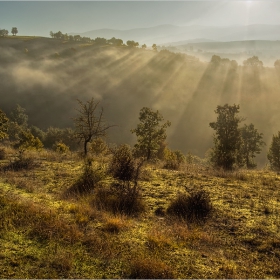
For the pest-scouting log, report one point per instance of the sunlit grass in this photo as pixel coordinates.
(47, 236)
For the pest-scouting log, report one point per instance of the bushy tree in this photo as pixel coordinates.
(274, 152)
(27, 141)
(154, 47)
(14, 31)
(251, 145)
(4, 32)
(253, 62)
(19, 116)
(150, 132)
(227, 139)
(132, 44)
(3, 125)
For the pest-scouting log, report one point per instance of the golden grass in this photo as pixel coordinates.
(46, 236)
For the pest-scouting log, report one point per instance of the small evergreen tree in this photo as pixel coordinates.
(150, 132)
(3, 125)
(227, 140)
(274, 152)
(251, 145)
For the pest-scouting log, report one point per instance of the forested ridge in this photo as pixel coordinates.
(46, 76)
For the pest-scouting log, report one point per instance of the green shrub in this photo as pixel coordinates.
(60, 147)
(173, 159)
(98, 146)
(195, 207)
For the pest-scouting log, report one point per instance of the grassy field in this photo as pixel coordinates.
(46, 234)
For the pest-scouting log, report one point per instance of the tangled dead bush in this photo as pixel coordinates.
(92, 174)
(195, 207)
(124, 194)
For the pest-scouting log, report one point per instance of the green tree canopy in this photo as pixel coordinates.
(150, 132)
(14, 31)
(3, 125)
(251, 144)
(227, 139)
(253, 62)
(274, 152)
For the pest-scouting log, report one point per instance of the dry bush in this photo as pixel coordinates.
(89, 179)
(22, 163)
(150, 269)
(195, 207)
(114, 224)
(2, 153)
(62, 261)
(117, 201)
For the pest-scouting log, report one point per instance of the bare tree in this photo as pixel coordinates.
(89, 123)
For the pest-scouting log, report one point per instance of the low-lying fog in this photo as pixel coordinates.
(46, 78)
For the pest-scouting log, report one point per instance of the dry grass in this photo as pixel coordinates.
(46, 236)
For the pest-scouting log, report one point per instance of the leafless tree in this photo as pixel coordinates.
(89, 123)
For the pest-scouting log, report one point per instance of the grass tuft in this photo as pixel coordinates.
(150, 269)
(195, 207)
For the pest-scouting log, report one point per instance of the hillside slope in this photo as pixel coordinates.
(46, 76)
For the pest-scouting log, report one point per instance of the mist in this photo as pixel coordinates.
(47, 78)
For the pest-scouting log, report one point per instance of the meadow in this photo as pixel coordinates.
(48, 234)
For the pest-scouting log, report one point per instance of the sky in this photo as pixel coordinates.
(40, 17)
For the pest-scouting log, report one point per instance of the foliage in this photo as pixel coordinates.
(92, 174)
(14, 31)
(89, 124)
(173, 159)
(277, 64)
(3, 125)
(274, 152)
(132, 44)
(19, 116)
(98, 146)
(227, 140)
(28, 141)
(54, 134)
(150, 132)
(154, 47)
(115, 42)
(3, 32)
(126, 170)
(253, 62)
(60, 147)
(195, 207)
(251, 145)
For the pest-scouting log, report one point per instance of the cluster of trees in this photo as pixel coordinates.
(234, 146)
(5, 32)
(99, 41)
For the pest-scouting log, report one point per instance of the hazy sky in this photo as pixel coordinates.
(41, 17)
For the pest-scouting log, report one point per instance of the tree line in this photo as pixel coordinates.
(99, 41)
(234, 146)
(5, 32)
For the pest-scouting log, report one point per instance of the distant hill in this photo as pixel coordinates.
(164, 34)
(47, 76)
